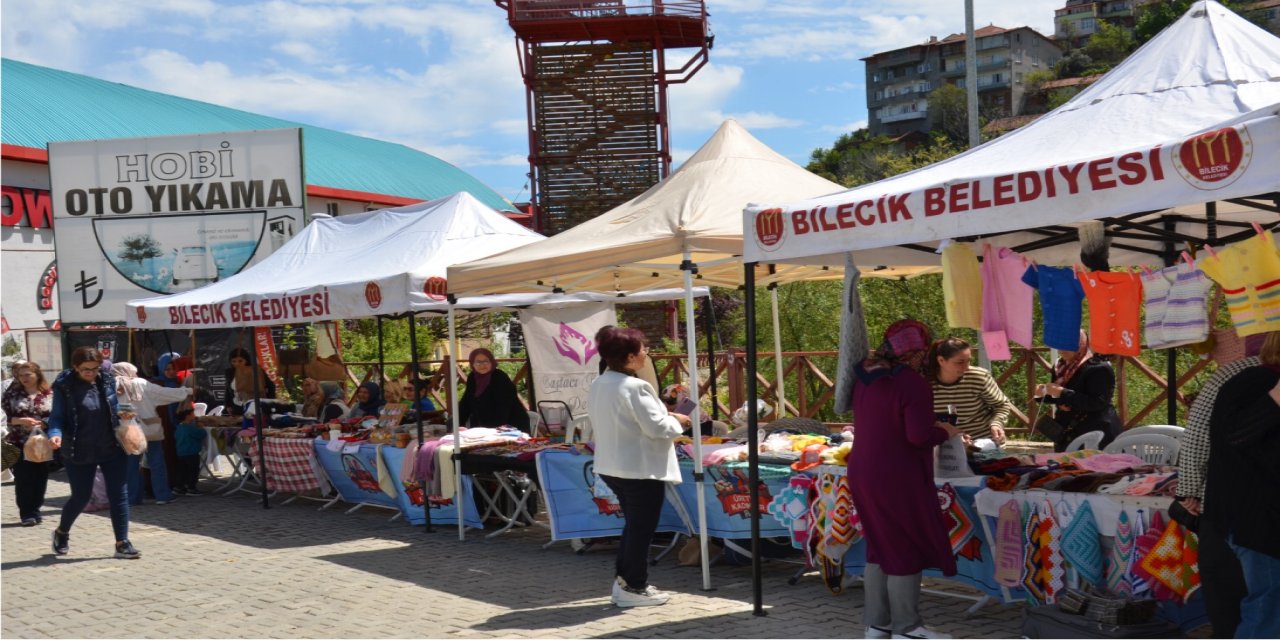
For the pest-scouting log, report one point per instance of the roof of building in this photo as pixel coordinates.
(980, 32)
(1069, 82)
(44, 105)
(1004, 125)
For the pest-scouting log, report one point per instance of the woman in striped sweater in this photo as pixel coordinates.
(981, 408)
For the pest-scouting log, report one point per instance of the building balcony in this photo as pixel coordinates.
(953, 71)
(992, 84)
(899, 117)
(1003, 63)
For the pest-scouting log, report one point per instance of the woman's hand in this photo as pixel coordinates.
(997, 434)
(29, 423)
(127, 415)
(56, 441)
(1192, 505)
(1054, 390)
(1275, 393)
(682, 419)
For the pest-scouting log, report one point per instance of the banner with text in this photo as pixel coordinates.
(563, 353)
(168, 214)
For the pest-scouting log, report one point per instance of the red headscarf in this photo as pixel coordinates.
(905, 342)
(1066, 369)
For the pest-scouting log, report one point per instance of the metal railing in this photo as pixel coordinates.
(533, 10)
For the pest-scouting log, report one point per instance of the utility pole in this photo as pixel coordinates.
(971, 74)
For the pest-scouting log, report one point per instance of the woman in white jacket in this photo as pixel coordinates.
(145, 397)
(634, 456)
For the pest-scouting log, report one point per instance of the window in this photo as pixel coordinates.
(960, 83)
(879, 95)
(888, 75)
(1017, 78)
(875, 77)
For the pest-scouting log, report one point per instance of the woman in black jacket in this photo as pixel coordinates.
(1082, 387)
(82, 424)
(490, 399)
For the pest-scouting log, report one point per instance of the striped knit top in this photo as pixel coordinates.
(978, 401)
(1249, 274)
(1175, 305)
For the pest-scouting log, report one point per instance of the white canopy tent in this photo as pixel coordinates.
(389, 262)
(684, 229)
(1191, 118)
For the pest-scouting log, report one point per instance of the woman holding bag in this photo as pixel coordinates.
(145, 397)
(27, 403)
(84, 418)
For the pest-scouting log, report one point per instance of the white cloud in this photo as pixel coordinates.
(298, 49)
(845, 128)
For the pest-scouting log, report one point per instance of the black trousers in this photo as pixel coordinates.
(1221, 579)
(30, 480)
(641, 502)
(188, 472)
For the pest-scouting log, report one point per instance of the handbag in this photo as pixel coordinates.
(1048, 425)
(131, 438)
(11, 454)
(38, 447)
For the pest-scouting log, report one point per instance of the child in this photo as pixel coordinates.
(188, 439)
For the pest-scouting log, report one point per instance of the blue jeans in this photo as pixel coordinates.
(1258, 618)
(80, 477)
(159, 475)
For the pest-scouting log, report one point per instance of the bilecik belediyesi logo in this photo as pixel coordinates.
(1214, 159)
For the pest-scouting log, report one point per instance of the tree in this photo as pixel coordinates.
(139, 247)
(1153, 17)
(852, 159)
(1074, 64)
(1108, 47)
(949, 109)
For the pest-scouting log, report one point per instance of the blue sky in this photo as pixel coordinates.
(442, 75)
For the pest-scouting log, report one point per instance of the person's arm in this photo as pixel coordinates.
(651, 414)
(108, 386)
(1258, 423)
(270, 386)
(1095, 392)
(56, 417)
(160, 395)
(229, 390)
(518, 415)
(998, 404)
(464, 403)
(922, 426)
(1193, 456)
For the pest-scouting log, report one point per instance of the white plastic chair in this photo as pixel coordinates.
(535, 422)
(1153, 448)
(579, 426)
(216, 411)
(200, 408)
(1089, 440)
(1173, 431)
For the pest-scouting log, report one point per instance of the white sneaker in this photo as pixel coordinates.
(649, 597)
(921, 632)
(617, 589)
(877, 632)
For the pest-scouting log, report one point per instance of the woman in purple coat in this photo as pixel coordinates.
(891, 478)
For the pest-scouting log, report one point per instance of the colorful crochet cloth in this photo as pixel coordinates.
(1166, 563)
(791, 509)
(1051, 555)
(1121, 552)
(1137, 586)
(1008, 553)
(1034, 579)
(959, 525)
(1081, 547)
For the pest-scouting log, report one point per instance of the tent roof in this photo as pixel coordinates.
(641, 243)
(1123, 139)
(393, 251)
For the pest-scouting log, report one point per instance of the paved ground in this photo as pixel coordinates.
(223, 567)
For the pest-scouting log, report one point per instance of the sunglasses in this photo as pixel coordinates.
(89, 369)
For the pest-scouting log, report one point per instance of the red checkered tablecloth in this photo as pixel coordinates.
(291, 464)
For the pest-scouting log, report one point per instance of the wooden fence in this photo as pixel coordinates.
(810, 376)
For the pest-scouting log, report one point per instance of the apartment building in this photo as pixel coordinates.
(1078, 20)
(899, 81)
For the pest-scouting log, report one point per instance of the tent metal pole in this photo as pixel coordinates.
(691, 349)
(709, 312)
(971, 75)
(417, 409)
(381, 357)
(453, 417)
(779, 385)
(753, 441)
(260, 423)
(1171, 364)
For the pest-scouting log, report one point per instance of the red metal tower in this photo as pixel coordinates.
(596, 83)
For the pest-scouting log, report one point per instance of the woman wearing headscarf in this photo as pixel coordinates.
(368, 401)
(490, 398)
(145, 398)
(1082, 387)
(84, 418)
(239, 389)
(333, 406)
(312, 398)
(891, 479)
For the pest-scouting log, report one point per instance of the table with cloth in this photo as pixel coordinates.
(580, 504)
(370, 474)
(291, 464)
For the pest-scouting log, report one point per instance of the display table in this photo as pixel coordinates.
(580, 504)
(291, 465)
(369, 475)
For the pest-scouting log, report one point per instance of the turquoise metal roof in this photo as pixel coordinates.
(42, 105)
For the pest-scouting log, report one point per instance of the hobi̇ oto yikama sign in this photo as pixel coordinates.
(143, 216)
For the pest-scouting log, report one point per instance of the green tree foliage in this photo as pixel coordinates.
(853, 159)
(949, 111)
(1073, 64)
(1153, 17)
(1108, 47)
(139, 247)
